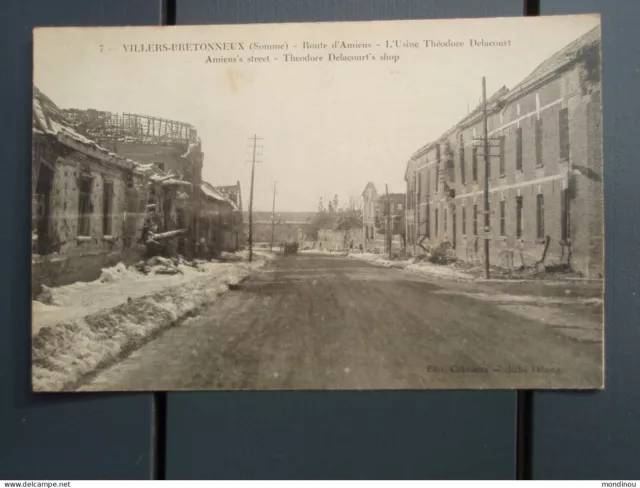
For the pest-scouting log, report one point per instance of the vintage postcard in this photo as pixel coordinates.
(355, 205)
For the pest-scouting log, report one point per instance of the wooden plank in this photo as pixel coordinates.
(596, 435)
(340, 434)
(52, 436)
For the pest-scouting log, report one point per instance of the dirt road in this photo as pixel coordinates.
(316, 322)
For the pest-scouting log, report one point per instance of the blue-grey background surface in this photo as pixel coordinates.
(320, 434)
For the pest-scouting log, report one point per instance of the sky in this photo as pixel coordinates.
(327, 127)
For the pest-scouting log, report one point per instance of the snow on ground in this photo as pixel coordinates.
(320, 252)
(575, 317)
(89, 324)
(422, 267)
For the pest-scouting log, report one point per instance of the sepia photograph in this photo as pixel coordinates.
(379, 205)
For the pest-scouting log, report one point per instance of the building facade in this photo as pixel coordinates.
(88, 204)
(168, 152)
(339, 240)
(374, 219)
(369, 199)
(544, 172)
(234, 236)
(394, 205)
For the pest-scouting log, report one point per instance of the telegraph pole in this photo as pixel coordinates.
(388, 234)
(273, 217)
(255, 140)
(486, 178)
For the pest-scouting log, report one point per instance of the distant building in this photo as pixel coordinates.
(374, 218)
(172, 148)
(545, 171)
(369, 198)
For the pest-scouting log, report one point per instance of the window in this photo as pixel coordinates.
(428, 221)
(519, 217)
(84, 206)
(445, 220)
(419, 186)
(474, 164)
(464, 221)
(462, 163)
(540, 216)
(564, 215)
(399, 207)
(435, 230)
(502, 218)
(538, 142)
(475, 219)
(501, 155)
(563, 118)
(519, 149)
(107, 208)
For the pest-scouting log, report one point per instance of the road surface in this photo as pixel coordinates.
(330, 322)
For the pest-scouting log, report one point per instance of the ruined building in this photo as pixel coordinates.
(233, 231)
(545, 172)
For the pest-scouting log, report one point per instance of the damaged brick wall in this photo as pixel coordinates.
(337, 239)
(113, 221)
